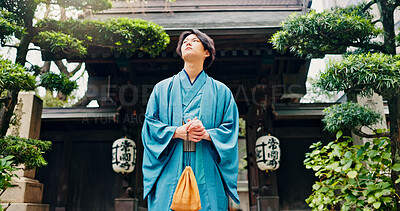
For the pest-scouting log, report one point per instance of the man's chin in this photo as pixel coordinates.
(189, 56)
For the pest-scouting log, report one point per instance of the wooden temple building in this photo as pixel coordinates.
(267, 87)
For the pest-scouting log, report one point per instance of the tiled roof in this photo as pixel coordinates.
(205, 14)
(203, 5)
(211, 20)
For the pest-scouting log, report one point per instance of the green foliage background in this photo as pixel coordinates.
(14, 151)
(6, 174)
(353, 177)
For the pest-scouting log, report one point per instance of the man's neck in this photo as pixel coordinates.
(193, 70)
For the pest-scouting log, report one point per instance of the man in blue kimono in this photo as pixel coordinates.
(191, 119)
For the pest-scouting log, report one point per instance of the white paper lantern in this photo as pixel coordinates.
(268, 153)
(123, 155)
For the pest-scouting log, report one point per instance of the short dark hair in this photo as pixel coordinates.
(207, 42)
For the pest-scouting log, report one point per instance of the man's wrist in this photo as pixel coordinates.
(207, 136)
(181, 134)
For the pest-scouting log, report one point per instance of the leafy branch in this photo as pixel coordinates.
(363, 74)
(377, 134)
(329, 32)
(352, 176)
(15, 77)
(24, 151)
(368, 5)
(122, 35)
(351, 116)
(58, 82)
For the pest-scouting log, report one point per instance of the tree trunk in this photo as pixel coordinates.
(387, 8)
(7, 110)
(394, 109)
(45, 68)
(387, 16)
(61, 96)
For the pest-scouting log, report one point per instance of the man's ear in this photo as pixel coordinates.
(207, 53)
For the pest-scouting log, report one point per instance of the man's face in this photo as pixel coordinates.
(192, 48)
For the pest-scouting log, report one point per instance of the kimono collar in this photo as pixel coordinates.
(195, 78)
(200, 81)
(176, 100)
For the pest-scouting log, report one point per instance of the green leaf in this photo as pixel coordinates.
(324, 189)
(377, 205)
(316, 168)
(360, 152)
(348, 154)
(372, 187)
(372, 153)
(371, 199)
(386, 200)
(351, 197)
(348, 165)
(352, 174)
(358, 166)
(367, 144)
(384, 185)
(396, 167)
(316, 186)
(339, 134)
(386, 155)
(333, 166)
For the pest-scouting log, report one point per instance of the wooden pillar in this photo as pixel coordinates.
(131, 117)
(263, 189)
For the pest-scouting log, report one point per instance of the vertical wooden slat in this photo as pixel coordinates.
(62, 196)
(251, 137)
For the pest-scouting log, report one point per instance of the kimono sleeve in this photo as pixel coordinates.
(225, 138)
(156, 135)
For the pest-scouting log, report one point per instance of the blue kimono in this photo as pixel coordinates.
(215, 163)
